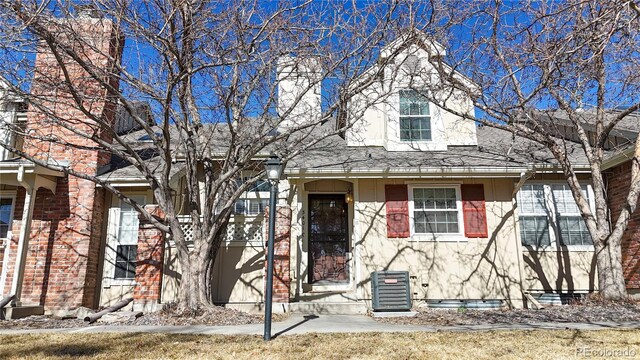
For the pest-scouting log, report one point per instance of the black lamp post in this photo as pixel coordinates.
(273, 167)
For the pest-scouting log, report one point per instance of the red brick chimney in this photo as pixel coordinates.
(56, 89)
(61, 267)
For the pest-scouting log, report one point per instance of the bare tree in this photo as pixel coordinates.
(211, 71)
(563, 74)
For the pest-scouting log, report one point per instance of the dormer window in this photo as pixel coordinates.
(415, 119)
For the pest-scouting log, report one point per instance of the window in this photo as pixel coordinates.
(534, 224)
(436, 210)
(126, 261)
(415, 120)
(250, 206)
(571, 226)
(255, 200)
(550, 216)
(6, 213)
(127, 241)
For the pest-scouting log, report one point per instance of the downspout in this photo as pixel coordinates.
(23, 239)
(524, 176)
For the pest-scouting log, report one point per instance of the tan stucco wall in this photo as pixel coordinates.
(239, 275)
(559, 270)
(463, 269)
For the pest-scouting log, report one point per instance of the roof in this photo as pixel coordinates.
(123, 173)
(497, 151)
(627, 128)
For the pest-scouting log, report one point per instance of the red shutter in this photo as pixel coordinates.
(397, 199)
(474, 211)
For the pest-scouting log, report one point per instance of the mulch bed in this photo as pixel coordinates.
(170, 316)
(587, 311)
(42, 322)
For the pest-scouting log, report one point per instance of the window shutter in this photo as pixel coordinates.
(474, 211)
(397, 204)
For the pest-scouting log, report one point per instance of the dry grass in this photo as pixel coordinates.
(539, 344)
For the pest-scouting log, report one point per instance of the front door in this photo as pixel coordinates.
(328, 239)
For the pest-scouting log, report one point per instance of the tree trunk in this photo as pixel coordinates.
(196, 287)
(189, 290)
(610, 273)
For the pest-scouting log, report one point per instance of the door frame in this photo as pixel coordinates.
(310, 198)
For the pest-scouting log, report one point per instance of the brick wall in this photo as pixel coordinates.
(149, 262)
(282, 253)
(618, 180)
(61, 270)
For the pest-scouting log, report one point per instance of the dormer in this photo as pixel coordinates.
(404, 110)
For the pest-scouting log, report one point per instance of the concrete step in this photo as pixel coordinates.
(327, 297)
(328, 308)
(18, 312)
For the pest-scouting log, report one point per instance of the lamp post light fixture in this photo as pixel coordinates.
(273, 167)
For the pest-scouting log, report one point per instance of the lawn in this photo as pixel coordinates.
(539, 344)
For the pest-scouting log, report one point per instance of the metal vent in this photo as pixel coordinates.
(391, 291)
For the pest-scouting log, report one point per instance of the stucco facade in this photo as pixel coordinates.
(497, 267)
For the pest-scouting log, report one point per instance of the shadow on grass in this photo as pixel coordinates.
(68, 345)
(117, 345)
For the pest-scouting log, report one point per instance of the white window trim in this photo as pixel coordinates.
(112, 242)
(8, 194)
(553, 240)
(439, 237)
(400, 116)
(394, 143)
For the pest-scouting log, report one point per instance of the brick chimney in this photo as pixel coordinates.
(98, 43)
(62, 260)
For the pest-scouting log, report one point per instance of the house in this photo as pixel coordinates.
(476, 216)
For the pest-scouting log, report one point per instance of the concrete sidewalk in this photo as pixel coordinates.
(302, 324)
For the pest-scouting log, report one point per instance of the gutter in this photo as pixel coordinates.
(430, 172)
(26, 167)
(619, 158)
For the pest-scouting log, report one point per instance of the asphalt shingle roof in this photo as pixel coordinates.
(496, 149)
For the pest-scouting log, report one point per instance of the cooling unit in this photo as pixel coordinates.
(391, 291)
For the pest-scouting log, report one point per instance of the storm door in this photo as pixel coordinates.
(328, 239)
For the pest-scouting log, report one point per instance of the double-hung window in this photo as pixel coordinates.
(255, 200)
(436, 210)
(127, 240)
(415, 118)
(571, 226)
(548, 215)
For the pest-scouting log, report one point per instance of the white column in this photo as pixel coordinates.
(23, 243)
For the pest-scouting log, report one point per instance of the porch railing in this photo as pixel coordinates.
(240, 231)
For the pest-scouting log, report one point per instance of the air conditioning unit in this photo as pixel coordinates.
(391, 291)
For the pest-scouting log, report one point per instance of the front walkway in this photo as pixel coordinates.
(302, 324)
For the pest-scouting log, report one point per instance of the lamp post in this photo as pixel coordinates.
(273, 167)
